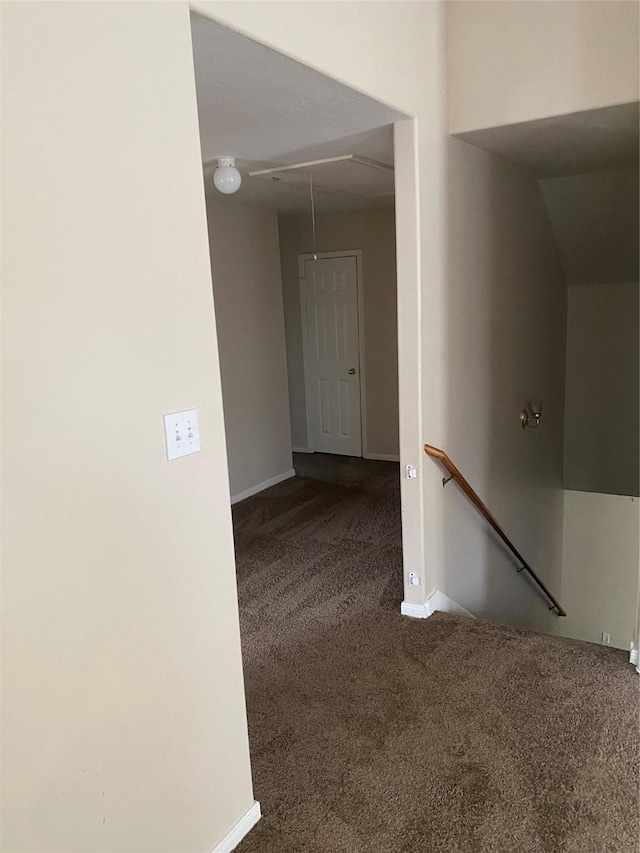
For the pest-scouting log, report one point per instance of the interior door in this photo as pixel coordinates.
(333, 367)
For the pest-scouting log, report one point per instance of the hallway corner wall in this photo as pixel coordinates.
(600, 567)
(247, 285)
(601, 448)
(123, 711)
(506, 328)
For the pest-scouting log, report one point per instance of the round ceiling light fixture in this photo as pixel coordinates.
(226, 177)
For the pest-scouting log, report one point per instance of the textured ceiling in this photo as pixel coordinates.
(266, 109)
(572, 144)
(291, 195)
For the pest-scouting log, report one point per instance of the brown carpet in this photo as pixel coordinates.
(374, 733)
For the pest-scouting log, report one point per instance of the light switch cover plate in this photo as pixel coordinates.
(181, 434)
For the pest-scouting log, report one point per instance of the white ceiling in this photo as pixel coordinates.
(292, 194)
(266, 109)
(572, 144)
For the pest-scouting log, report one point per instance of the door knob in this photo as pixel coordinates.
(352, 370)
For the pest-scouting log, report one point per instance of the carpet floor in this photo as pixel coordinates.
(375, 733)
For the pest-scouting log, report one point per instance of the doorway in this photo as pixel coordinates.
(333, 339)
(262, 431)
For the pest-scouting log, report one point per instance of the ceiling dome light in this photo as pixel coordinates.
(226, 177)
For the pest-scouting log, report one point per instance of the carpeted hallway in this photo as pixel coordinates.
(374, 733)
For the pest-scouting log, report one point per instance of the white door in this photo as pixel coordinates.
(333, 368)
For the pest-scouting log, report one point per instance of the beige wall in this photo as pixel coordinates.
(247, 284)
(120, 620)
(600, 572)
(462, 256)
(372, 231)
(363, 63)
(510, 62)
(122, 707)
(594, 219)
(362, 51)
(601, 452)
(505, 324)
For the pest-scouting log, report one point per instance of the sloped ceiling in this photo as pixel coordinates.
(595, 222)
(572, 144)
(265, 109)
(587, 166)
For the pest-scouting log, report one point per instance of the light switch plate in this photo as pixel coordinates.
(181, 434)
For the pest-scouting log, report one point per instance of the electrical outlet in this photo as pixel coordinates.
(606, 638)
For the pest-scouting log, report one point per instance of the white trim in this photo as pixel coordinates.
(242, 827)
(356, 158)
(309, 256)
(416, 611)
(439, 601)
(363, 383)
(349, 253)
(305, 352)
(286, 475)
(383, 457)
(416, 421)
(436, 601)
(301, 450)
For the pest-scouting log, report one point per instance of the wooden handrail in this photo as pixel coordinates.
(454, 474)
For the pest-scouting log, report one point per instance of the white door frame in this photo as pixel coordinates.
(351, 253)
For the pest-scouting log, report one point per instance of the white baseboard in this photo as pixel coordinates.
(439, 601)
(383, 457)
(235, 836)
(286, 475)
(416, 611)
(436, 601)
